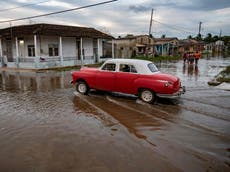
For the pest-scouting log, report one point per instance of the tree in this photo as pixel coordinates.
(189, 37)
(163, 36)
(215, 38)
(208, 38)
(198, 37)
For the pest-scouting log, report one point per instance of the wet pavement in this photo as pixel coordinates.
(46, 127)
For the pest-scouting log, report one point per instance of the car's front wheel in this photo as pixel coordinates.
(147, 95)
(82, 87)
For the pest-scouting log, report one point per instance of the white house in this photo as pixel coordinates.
(46, 46)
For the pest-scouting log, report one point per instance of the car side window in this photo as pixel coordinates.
(127, 68)
(109, 67)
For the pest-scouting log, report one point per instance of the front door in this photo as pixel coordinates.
(105, 78)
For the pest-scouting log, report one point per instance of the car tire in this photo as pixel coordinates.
(82, 87)
(147, 96)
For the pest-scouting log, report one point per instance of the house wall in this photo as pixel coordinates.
(69, 51)
(69, 47)
(88, 48)
(125, 48)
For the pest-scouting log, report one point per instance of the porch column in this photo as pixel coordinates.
(17, 51)
(60, 51)
(162, 47)
(36, 58)
(1, 48)
(35, 46)
(81, 52)
(98, 51)
(1, 54)
(173, 49)
(168, 49)
(112, 48)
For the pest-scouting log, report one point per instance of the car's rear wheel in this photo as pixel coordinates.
(147, 96)
(82, 87)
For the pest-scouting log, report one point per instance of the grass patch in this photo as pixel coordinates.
(224, 76)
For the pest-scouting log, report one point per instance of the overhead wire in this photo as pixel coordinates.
(58, 12)
(175, 28)
(22, 6)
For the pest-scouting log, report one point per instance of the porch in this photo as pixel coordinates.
(50, 46)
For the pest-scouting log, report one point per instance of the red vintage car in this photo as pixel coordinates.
(129, 76)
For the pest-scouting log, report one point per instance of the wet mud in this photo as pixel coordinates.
(46, 126)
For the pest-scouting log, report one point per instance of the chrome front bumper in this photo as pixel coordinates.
(182, 90)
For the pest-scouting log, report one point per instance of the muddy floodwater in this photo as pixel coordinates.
(46, 127)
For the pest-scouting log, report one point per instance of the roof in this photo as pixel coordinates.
(165, 39)
(140, 65)
(53, 30)
(132, 37)
(190, 42)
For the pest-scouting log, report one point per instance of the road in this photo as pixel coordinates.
(45, 126)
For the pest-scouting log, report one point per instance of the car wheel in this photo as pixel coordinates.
(82, 87)
(147, 96)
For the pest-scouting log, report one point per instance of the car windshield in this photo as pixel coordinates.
(152, 67)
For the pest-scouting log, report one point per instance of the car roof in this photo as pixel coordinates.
(129, 61)
(140, 65)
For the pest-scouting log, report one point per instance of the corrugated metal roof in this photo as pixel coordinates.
(53, 30)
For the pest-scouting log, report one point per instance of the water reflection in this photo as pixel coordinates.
(138, 117)
(34, 81)
(191, 70)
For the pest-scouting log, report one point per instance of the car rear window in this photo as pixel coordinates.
(109, 67)
(152, 67)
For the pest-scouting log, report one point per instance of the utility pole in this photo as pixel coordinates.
(199, 35)
(151, 22)
(150, 30)
(220, 33)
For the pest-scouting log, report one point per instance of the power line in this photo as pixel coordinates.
(26, 5)
(175, 28)
(58, 12)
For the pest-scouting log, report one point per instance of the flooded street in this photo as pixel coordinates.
(45, 127)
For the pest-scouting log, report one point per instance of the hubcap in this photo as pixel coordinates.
(147, 96)
(82, 88)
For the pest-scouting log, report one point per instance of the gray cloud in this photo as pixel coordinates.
(195, 5)
(116, 17)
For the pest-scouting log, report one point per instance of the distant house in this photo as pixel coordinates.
(215, 47)
(48, 45)
(219, 46)
(131, 46)
(209, 48)
(190, 45)
(166, 46)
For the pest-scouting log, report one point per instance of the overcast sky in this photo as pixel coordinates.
(174, 18)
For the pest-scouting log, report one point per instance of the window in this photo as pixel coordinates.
(109, 67)
(152, 67)
(53, 49)
(127, 68)
(31, 51)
